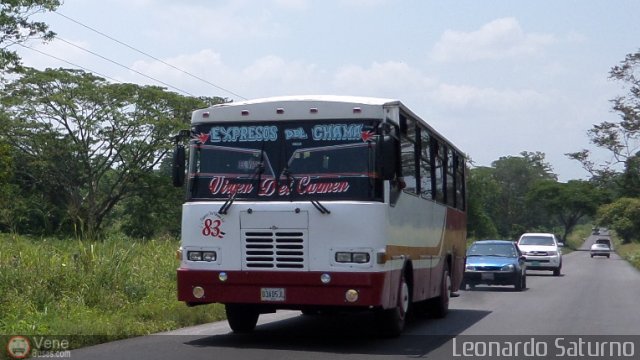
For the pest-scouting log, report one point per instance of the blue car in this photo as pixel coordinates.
(495, 262)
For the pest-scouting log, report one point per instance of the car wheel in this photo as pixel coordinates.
(391, 321)
(556, 272)
(518, 283)
(592, 256)
(607, 256)
(524, 280)
(241, 318)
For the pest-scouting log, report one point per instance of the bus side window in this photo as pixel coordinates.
(426, 188)
(460, 183)
(450, 182)
(408, 153)
(439, 171)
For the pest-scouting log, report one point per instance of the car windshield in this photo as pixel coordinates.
(536, 240)
(502, 250)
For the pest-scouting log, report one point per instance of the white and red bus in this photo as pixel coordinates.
(320, 203)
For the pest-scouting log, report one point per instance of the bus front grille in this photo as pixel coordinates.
(274, 250)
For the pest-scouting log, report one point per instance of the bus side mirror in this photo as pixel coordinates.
(178, 167)
(389, 157)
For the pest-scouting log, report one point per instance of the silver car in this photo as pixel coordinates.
(600, 250)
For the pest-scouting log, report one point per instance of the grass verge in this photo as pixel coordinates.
(630, 252)
(113, 289)
(577, 237)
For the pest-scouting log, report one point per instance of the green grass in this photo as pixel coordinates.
(577, 237)
(630, 252)
(112, 289)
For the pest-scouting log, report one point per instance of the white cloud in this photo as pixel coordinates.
(501, 38)
(489, 100)
(45, 55)
(205, 64)
(293, 4)
(363, 3)
(381, 79)
(232, 21)
(279, 76)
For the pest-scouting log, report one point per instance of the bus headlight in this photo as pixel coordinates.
(202, 255)
(209, 256)
(194, 255)
(352, 257)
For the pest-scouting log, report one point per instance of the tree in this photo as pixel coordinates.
(567, 202)
(15, 27)
(156, 209)
(623, 216)
(630, 178)
(482, 189)
(88, 144)
(622, 138)
(515, 175)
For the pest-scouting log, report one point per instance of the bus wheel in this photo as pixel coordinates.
(241, 318)
(440, 305)
(391, 321)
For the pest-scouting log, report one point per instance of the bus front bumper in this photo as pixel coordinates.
(285, 289)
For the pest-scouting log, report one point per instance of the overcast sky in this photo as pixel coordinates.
(495, 77)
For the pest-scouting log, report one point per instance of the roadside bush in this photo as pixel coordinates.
(116, 288)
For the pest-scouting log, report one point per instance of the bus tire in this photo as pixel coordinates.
(241, 318)
(391, 322)
(440, 305)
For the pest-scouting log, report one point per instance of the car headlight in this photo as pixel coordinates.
(508, 267)
(524, 252)
(470, 268)
(552, 253)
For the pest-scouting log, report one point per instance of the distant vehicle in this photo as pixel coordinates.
(599, 249)
(495, 262)
(604, 241)
(595, 231)
(542, 252)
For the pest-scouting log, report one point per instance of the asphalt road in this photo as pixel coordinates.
(594, 296)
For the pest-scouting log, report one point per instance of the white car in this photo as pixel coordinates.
(541, 251)
(600, 249)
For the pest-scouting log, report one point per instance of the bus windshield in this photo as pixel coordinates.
(293, 160)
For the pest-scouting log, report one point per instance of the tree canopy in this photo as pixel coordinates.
(85, 144)
(622, 138)
(567, 202)
(16, 28)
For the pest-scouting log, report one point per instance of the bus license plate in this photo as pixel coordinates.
(272, 294)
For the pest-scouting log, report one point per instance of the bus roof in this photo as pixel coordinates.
(306, 107)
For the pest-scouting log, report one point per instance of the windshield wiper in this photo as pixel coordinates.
(320, 207)
(224, 209)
